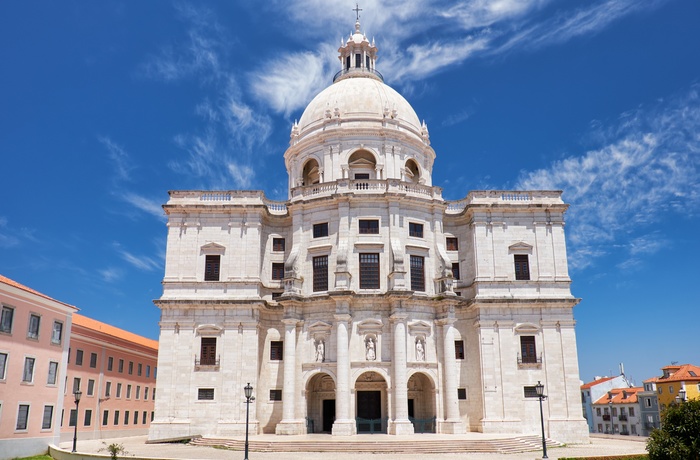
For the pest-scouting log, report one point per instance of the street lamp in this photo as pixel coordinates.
(681, 394)
(248, 398)
(77, 395)
(539, 389)
(612, 427)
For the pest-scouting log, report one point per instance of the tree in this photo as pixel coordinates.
(679, 436)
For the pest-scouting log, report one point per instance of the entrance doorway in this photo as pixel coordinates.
(369, 412)
(320, 404)
(328, 415)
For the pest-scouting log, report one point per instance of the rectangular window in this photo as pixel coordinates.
(597, 411)
(647, 402)
(116, 417)
(358, 60)
(91, 387)
(119, 390)
(57, 332)
(143, 420)
(452, 243)
(522, 267)
(145, 394)
(108, 389)
(138, 391)
(153, 414)
(3, 365)
(417, 273)
(22, 416)
(126, 417)
(207, 355)
(154, 394)
(6, 319)
(275, 395)
(631, 411)
(128, 391)
(139, 369)
(528, 351)
(320, 230)
(105, 417)
(136, 417)
(73, 417)
(459, 349)
(415, 230)
(320, 266)
(78, 357)
(278, 244)
(455, 270)
(369, 271)
(33, 331)
(110, 363)
(47, 419)
(276, 351)
(278, 271)
(462, 393)
(93, 360)
(369, 227)
(28, 374)
(131, 368)
(205, 394)
(76, 385)
(530, 392)
(212, 264)
(361, 176)
(148, 371)
(88, 417)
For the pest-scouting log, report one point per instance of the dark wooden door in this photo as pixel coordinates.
(328, 415)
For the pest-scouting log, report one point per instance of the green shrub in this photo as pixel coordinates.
(679, 435)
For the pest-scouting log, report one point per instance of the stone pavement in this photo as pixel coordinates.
(137, 447)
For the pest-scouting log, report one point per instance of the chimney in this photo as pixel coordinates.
(622, 369)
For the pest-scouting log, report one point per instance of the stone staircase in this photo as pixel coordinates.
(426, 446)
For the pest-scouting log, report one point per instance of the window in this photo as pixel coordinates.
(670, 389)
(136, 417)
(278, 244)
(148, 370)
(452, 243)
(276, 351)
(139, 369)
(22, 416)
(116, 417)
(647, 402)
(108, 389)
(33, 331)
(275, 395)
(131, 368)
(415, 230)
(91, 387)
(138, 391)
(207, 355)
(631, 411)
(320, 265)
(88, 417)
(93, 360)
(600, 428)
(57, 332)
(143, 420)
(110, 363)
(369, 271)
(358, 60)
(528, 351)
(3, 365)
(73, 417)
(153, 414)
(660, 390)
(145, 394)
(154, 394)
(455, 270)
(105, 417)
(47, 419)
(119, 390)
(522, 267)
(462, 393)
(28, 374)
(417, 273)
(126, 417)
(212, 264)
(278, 271)
(78, 357)
(530, 392)
(320, 230)
(459, 349)
(128, 391)
(361, 176)
(597, 411)
(6, 319)
(205, 394)
(369, 226)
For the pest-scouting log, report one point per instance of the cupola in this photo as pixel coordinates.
(357, 57)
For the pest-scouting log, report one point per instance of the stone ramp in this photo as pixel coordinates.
(418, 446)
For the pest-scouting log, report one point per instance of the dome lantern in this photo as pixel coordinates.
(357, 57)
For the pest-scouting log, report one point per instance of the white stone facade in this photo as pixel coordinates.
(341, 305)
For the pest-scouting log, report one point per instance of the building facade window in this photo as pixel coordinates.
(528, 350)
(277, 271)
(131, 368)
(120, 369)
(22, 417)
(148, 371)
(275, 395)
(139, 369)
(459, 349)
(369, 227)
(105, 417)
(417, 273)
(369, 271)
(6, 318)
(110, 363)
(455, 270)
(73, 417)
(78, 357)
(530, 391)
(33, 330)
(93, 360)
(452, 243)
(145, 414)
(278, 244)
(87, 421)
(108, 389)
(3, 365)
(76, 384)
(522, 267)
(91, 387)
(28, 373)
(276, 351)
(415, 230)
(116, 418)
(212, 266)
(119, 390)
(57, 332)
(145, 394)
(47, 419)
(138, 391)
(128, 391)
(204, 394)
(207, 356)
(320, 267)
(126, 417)
(462, 394)
(321, 230)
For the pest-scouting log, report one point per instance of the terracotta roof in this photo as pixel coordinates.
(13, 283)
(105, 328)
(595, 382)
(651, 380)
(618, 396)
(685, 372)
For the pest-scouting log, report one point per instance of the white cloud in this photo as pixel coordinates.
(144, 263)
(146, 205)
(119, 158)
(110, 274)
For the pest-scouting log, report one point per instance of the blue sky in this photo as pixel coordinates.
(105, 106)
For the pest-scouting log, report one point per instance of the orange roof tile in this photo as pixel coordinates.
(9, 282)
(685, 372)
(618, 396)
(595, 382)
(105, 328)
(651, 380)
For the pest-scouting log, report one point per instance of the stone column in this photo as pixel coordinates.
(343, 425)
(289, 425)
(400, 424)
(452, 423)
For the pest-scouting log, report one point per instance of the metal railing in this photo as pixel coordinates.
(373, 425)
(206, 364)
(529, 359)
(423, 425)
(357, 70)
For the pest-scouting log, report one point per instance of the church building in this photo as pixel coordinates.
(365, 302)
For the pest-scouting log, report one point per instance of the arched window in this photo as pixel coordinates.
(362, 165)
(311, 174)
(412, 172)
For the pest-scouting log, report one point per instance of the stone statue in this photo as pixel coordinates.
(371, 352)
(320, 351)
(420, 350)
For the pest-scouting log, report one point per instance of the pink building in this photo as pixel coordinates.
(115, 371)
(34, 332)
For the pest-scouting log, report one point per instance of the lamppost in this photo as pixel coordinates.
(248, 398)
(612, 427)
(681, 394)
(539, 389)
(77, 395)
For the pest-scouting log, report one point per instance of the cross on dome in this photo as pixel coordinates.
(357, 10)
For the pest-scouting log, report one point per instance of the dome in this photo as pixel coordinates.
(361, 98)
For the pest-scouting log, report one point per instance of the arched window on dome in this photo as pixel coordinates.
(347, 62)
(362, 165)
(311, 174)
(412, 172)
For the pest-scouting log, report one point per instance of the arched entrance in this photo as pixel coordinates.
(371, 410)
(320, 400)
(421, 403)
(311, 174)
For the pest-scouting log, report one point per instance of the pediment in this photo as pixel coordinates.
(520, 246)
(209, 330)
(527, 328)
(419, 328)
(320, 326)
(213, 248)
(362, 162)
(370, 325)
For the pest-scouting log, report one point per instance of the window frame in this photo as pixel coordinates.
(461, 394)
(44, 425)
(276, 350)
(110, 363)
(34, 327)
(205, 394)
(320, 273)
(19, 417)
(207, 351)
(370, 270)
(278, 244)
(53, 364)
(459, 349)
(528, 349)
(212, 267)
(54, 339)
(3, 368)
(93, 360)
(415, 230)
(417, 264)
(320, 230)
(455, 271)
(452, 243)
(277, 273)
(32, 368)
(521, 265)
(275, 395)
(78, 357)
(368, 226)
(5, 323)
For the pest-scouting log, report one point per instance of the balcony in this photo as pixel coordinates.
(529, 360)
(206, 364)
(606, 417)
(357, 72)
(623, 417)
